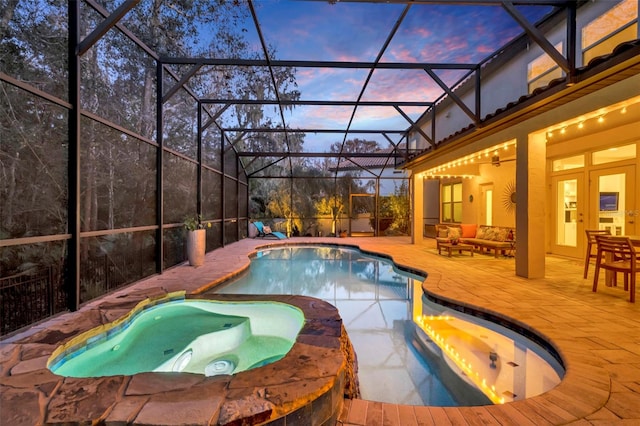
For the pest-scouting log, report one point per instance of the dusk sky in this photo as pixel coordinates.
(345, 31)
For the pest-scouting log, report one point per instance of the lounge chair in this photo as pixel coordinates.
(266, 232)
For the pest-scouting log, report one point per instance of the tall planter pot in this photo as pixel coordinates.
(196, 245)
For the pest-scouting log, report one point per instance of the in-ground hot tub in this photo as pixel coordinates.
(181, 335)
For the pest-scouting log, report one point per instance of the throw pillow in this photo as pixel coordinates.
(454, 232)
(480, 233)
(501, 234)
(443, 232)
(468, 231)
(490, 234)
(266, 229)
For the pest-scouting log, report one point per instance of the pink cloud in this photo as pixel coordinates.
(402, 55)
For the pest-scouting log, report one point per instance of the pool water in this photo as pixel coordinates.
(192, 336)
(410, 350)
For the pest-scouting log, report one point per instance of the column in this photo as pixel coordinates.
(531, 196)
(417, 208)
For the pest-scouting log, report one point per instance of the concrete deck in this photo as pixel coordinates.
(597, 334)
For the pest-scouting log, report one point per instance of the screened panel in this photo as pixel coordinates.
(33, 46)
(180, 185)
(230, 162)
(119, 84)
(230, 198)
(180, 124)
(242, 200)
(211, 195)
(112, 261)
(119, 172)
(394, 207)
(175, 246)
(33, 165)
(363, 186)
(230, 231)
(211, 154)
(214, 236)
(243, 228)
(31, 283)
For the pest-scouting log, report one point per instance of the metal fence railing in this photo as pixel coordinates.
(30, 297)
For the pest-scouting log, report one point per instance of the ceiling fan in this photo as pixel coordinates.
(496, 161)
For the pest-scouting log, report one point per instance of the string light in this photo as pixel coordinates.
(466, 161)
(583, 121)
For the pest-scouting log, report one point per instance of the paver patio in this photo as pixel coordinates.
(595, 333)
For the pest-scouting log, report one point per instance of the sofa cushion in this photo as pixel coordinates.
(454, 232)
(443, 232)
(468, 231)
(500, 234)
(481, 232)
(489, 234)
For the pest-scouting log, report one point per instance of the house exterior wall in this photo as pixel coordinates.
(533, 165)
(509, 82)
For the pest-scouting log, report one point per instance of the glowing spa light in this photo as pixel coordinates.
(581, 125)
(563, 130)
(623, 110)
(601, 119)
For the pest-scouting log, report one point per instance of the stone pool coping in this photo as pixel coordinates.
(307, 385)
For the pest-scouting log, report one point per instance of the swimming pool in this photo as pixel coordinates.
(410, 350)
(179, 335)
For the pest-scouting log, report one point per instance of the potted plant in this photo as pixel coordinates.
(196, 239)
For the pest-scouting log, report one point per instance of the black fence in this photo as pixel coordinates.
(30, 297)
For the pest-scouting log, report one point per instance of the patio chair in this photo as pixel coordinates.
(591, 243)
(266, 232)
(617, 254)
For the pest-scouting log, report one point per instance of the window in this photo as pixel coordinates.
(603, 34)
(611, 155)
(543, 69)
(452, 203)
(568, 163)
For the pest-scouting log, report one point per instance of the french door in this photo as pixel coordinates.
(612, 202)
(568, 205)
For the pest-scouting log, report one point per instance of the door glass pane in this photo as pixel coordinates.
(566, 213)
(611, 203)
